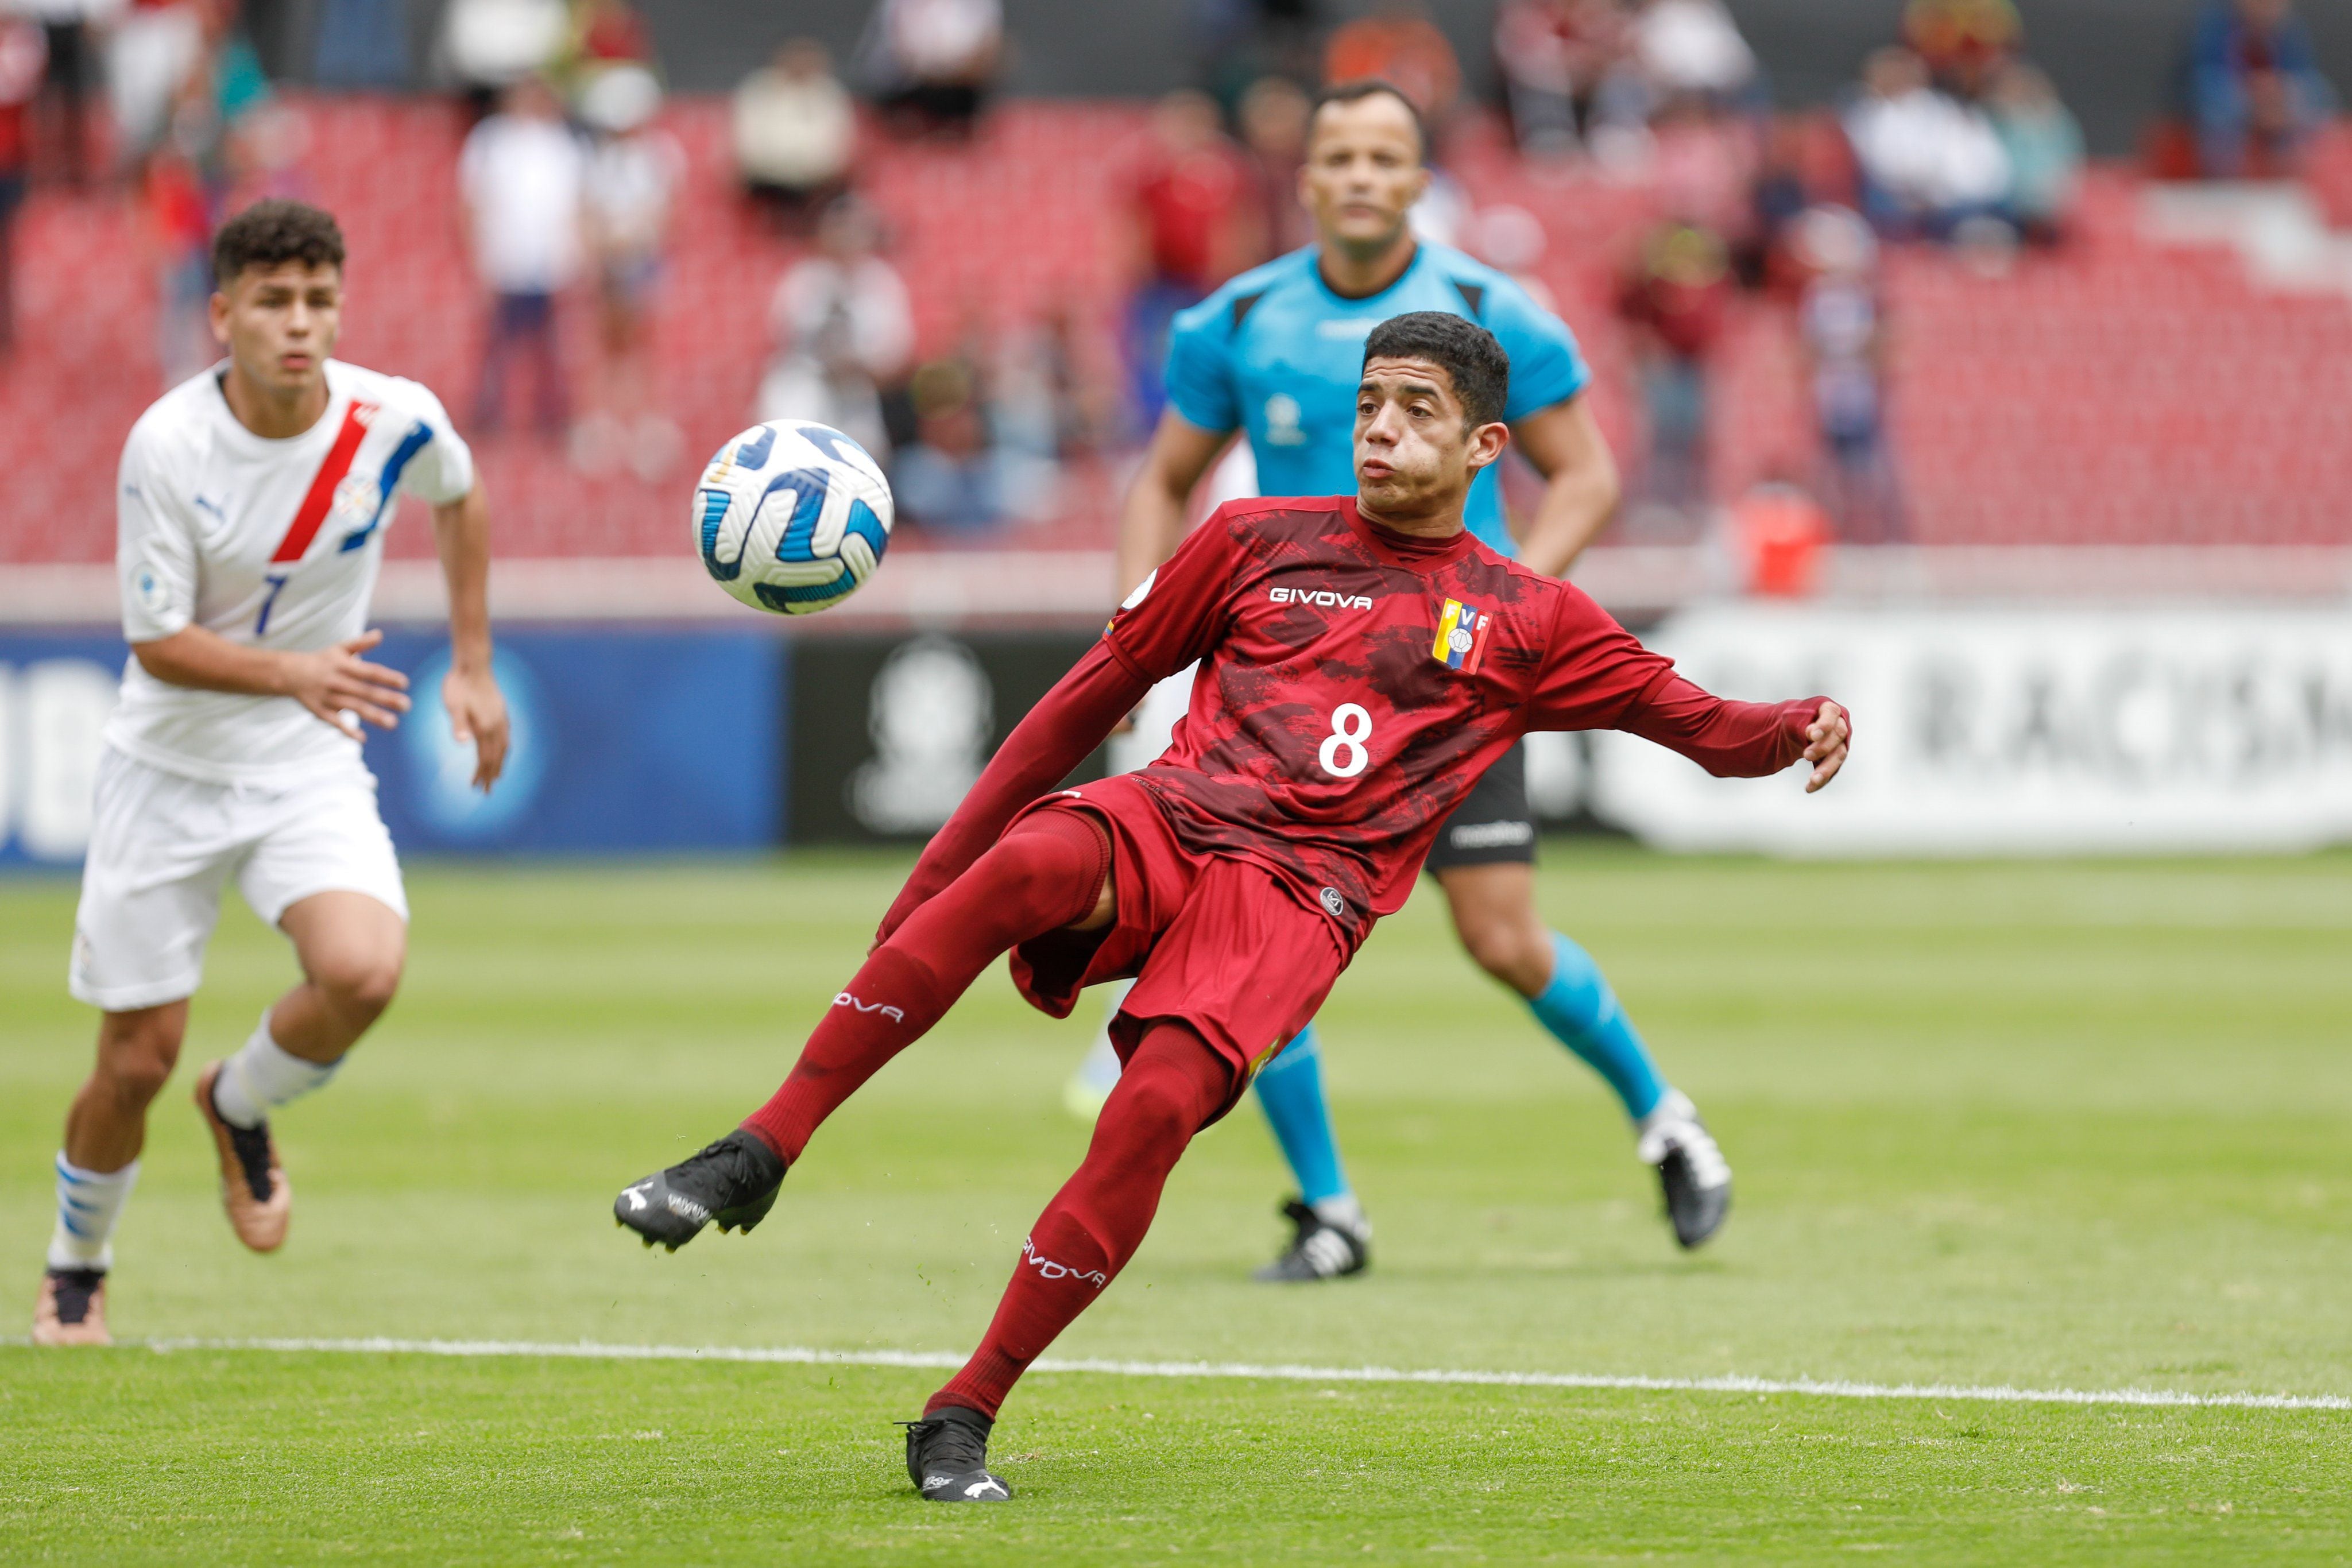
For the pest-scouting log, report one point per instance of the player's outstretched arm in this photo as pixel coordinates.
(332, 682)
(1058, 734)
(1596, 675)
(1741, 740)
(478, 710)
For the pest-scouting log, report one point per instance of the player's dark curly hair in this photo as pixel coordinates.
(1466, 351)
(272, 232)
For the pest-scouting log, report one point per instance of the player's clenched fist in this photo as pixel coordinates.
(1826, 744)
(335, 683)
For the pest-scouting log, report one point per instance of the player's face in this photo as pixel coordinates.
(1363, 171)
(280, 323)
(1416, 451)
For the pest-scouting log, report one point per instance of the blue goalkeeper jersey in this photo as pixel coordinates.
(1279, 354)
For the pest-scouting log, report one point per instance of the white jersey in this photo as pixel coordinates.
(273, 544)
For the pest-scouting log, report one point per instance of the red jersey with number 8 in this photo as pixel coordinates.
(1355, 683)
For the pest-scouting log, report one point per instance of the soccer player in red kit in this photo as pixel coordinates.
(1363, 660)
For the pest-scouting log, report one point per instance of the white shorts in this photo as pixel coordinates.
(162, 844)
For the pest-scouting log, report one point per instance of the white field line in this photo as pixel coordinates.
(801, 1355)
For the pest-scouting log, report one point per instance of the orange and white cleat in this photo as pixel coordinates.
(254, 1189)
(72, 1308)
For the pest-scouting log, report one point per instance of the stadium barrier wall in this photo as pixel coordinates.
(2032, 731)
(625, 740)
(888, 732)
(2040, 730)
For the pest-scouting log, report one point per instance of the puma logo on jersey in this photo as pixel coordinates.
(887, 1011)
(1322, 598)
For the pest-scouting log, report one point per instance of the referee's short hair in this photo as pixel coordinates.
(1357, 91)
(1467, 352)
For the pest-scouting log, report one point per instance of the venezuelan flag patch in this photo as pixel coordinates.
(1461, 636)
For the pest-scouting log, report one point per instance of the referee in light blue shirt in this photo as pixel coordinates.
(1277, 354)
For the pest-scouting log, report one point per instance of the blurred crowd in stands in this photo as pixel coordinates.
(1949, 136)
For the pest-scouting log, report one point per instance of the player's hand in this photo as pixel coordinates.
(478, 713)
(335, 684)
(1826, 739)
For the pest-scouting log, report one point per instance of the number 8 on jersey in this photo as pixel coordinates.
(1344, 753)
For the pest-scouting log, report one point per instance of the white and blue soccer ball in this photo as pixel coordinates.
(792, 516)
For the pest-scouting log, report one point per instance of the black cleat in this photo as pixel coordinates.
(72, 1308)
(1321, 1250)
(947, 1458)
(1692, 1172)
(732, 1181)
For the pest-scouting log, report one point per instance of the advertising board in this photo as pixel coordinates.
(623, 741)
(888, 732)
(2017, 731)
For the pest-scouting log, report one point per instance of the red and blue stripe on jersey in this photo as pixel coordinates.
(361, 419)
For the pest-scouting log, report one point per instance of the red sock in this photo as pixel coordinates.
(1044, 874)
(1174, 1084)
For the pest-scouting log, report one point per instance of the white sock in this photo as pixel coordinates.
(262, 1076)
(89, 1203)
(1673, 1110)
(1344, 1213)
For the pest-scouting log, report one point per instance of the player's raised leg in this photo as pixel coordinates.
(351, 946)
(1494, 913)
(1174, 1084)
(1051, 870)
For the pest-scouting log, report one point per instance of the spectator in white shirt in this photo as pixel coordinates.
(795, 129)
(524, 174)
(844, 329)
(491, 45)
(633, 179)
(1693, 46)
(938, 59)
(1929, 163)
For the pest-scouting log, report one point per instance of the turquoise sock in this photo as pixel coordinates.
(1290, 1093)
(1585, 1016)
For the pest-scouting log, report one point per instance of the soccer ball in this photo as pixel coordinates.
(792, 516)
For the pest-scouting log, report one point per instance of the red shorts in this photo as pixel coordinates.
(1214, 942)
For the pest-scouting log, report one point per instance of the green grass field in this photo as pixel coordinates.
(2045, 1126)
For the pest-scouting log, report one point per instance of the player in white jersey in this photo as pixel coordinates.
(251, 512)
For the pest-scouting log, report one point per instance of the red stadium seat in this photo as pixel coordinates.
(2120, 390)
